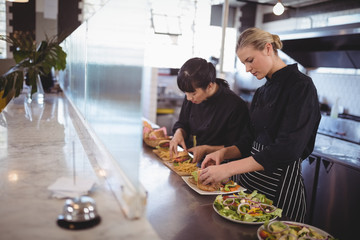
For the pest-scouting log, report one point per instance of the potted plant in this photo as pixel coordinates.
(32, 61)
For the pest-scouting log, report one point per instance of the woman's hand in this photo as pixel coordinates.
(214, 158)
(214, 174)
(217, 173)
(199, 152)
(178, 139)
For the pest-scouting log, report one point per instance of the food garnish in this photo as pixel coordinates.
(229, 186)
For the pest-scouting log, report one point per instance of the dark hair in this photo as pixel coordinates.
(196, 73)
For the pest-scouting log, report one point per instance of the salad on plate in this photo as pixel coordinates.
(285, 230)
(253, 208)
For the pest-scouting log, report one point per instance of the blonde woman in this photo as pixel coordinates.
(284, 116)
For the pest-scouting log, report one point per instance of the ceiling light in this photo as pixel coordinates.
(278, 8)
(18, 1)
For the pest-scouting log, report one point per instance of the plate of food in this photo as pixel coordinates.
(291, 230)
(182, 168)
(162, 151)
(227, 187)
(181, 163)
(163, 155)
(253, 208)
(152, 136)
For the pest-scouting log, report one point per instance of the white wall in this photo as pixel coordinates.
(346, 87)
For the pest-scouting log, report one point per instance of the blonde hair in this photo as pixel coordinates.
(258, 39)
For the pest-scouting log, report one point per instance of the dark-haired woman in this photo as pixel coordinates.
(212, 115)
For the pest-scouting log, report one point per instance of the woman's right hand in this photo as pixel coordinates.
(214, 158)
(198, 152)
(177, 139)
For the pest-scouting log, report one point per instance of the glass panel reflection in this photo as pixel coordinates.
(104, 77)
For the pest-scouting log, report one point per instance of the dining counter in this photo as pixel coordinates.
(37, 147)
(176, 211)
(39, 143)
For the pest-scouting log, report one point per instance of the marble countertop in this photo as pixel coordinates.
(337, 150)
(36, 148)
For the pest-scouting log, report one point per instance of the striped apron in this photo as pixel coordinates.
(284, 186)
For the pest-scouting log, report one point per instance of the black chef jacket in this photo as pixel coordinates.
(219, 120)
(285, 116)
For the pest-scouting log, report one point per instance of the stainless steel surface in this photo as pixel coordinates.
(177, 212)
(338, 30)
(79, 209)
(310, 175)
(338, 151)
(336, 207)
(286, 3)
(331, 176)
(345, 129)
(334, 46)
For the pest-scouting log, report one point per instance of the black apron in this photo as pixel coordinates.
(284, 186)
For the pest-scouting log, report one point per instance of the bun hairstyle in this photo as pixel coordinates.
(196, 73)
(258, 39)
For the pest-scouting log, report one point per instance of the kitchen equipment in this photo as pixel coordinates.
(336, 207)
(79, 213)
(341, 128)
(310, 169)
(332, 46)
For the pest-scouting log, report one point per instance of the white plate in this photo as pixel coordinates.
(199, 191)
(238, 221)
(299, 224)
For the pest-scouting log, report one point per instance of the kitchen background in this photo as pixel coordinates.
(175, 31)
(193, 28)
(181, 29)
(335, 84)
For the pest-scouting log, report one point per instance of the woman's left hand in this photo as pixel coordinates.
(198, 152)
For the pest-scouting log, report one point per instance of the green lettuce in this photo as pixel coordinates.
(230, 211)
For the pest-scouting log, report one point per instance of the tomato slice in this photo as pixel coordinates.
(264, 234)
(234, 188)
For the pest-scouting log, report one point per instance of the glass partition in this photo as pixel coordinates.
(104, 78)
(74, 84)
